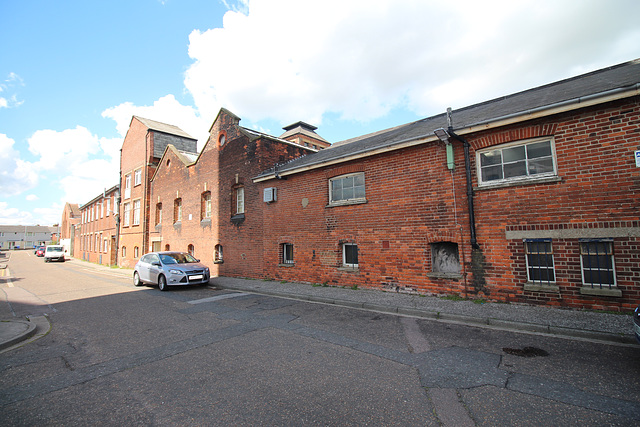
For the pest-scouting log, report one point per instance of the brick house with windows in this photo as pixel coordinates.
(531, 197)
(209, 205)
(143, 145)
(95, 236)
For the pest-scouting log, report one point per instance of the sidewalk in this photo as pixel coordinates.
(567, 323)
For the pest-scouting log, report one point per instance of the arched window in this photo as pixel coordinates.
(167, 247)
(191, 250)
(136, 252)
(124, 252)
(217, 255)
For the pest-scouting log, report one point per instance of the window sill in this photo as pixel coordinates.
(601, 292)
(349, 269)
(537, 287)
(237, 219)
(517, 183)
(347, 203)
(438, 275)
(205, 222)
(219, 262)
(288, 264)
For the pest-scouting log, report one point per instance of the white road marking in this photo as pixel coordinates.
(219, 297)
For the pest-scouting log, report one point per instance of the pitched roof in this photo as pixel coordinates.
(621, 80)
(163, 127)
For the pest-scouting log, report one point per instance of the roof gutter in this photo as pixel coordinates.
(555, 108)
(533, 113)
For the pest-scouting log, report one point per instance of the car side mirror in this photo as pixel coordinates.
(156, 263)
(197, 260)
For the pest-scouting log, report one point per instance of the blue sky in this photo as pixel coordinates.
(73, 72)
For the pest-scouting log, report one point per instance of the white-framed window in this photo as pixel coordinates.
(127, 214)
(240, 200)
(287, 253)
(597, 263)
(136, 212)
(106, 246)
(137, 177)
(523, 160)
(539, 259)
(350, 255)
(136, 252)
(127, 186)
(206, 205)
(347, 189)
(177, 210)
(108, 206)
(158, 213)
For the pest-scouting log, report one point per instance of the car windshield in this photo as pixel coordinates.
(54, 249)
(177, 258)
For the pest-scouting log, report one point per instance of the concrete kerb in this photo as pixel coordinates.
(16, 331)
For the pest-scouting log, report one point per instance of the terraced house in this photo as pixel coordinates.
(532, 197)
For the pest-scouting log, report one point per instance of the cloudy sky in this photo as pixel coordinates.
(73, 72)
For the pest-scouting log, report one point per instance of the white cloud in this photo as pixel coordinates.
(166, 110)
(32, 198)
(9, 85)
(14, 216)
(290, 60)
(16, 175)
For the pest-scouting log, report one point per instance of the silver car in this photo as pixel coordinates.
(168, 269)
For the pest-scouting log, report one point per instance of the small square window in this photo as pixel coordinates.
(350, 255)
(137, 180)
(445, 258)
(287, 253)
(539, 258)
(598, 266)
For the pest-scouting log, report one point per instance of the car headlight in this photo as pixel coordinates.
(175, 271)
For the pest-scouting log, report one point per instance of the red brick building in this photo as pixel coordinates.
(209, 205)
(143, 145)
(95, 236)
(532, 197)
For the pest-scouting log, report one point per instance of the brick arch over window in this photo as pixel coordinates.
(517, 134)
(344, 170)
(443, 236)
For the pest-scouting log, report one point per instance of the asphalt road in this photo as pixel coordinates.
(121, 355)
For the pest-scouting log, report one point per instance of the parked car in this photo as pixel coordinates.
(54, 253)
(168, 269)
(40, 251)
(636, 322)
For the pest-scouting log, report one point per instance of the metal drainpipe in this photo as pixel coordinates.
(467, 166)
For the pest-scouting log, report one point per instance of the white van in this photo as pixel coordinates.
(54, 253)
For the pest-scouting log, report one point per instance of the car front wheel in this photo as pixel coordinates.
(162, 283)
(136, 279)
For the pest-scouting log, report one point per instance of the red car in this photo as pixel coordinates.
(40, 251)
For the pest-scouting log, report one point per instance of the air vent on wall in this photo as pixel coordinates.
(270, 194)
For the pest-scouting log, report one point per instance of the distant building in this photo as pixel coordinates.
(26, 236)
(95, 235)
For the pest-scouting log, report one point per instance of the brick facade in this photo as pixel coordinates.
(409, 229)
(96, 233)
